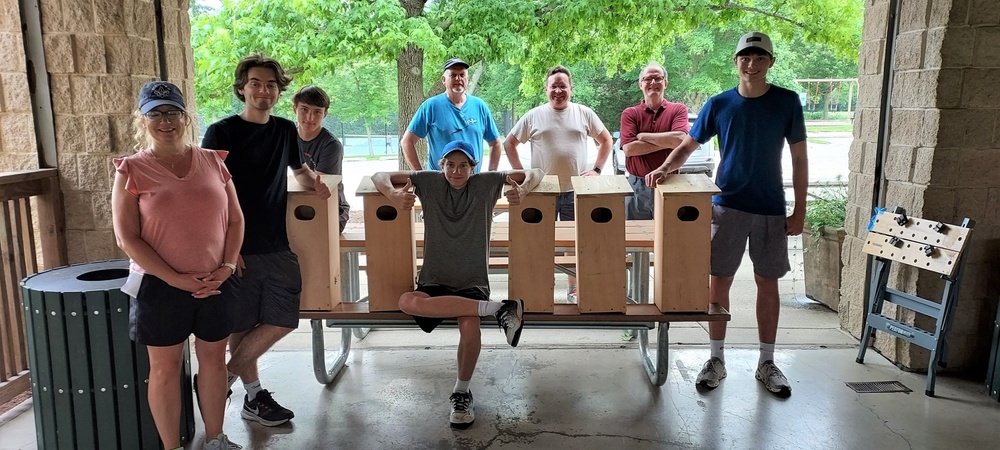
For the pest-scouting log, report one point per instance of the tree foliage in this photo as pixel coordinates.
(522, 39)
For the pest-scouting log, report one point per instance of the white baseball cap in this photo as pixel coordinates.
(755, 39)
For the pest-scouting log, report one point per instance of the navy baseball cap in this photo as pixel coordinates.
(455, 62)
(158, 93)
(462, 146)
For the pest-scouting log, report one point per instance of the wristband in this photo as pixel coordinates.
(597, 169)
(231, 266)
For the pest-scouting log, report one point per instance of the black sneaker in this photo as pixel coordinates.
(197, 399)
(509, 317)
(462, 405)
(264, 410)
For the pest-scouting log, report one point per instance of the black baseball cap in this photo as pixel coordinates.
(455, 62)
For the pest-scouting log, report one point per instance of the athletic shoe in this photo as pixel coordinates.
(509, 317)
(221, 442)
(462, 405)
(197, 399)
(264, 410)
(712, 373)
(773, 379)
(571, 295)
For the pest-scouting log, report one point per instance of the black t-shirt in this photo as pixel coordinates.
(258, 157)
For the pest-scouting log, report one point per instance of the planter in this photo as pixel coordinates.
(822, 266)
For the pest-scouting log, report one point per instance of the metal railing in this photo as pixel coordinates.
(32, 238)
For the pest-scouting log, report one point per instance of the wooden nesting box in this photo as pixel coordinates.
(682, 243)
(314, 235)
(532, 246)
(390, 248)
(600, 243)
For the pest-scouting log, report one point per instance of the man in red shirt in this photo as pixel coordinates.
(649, 131)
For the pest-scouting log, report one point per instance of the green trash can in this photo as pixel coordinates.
(88, 379)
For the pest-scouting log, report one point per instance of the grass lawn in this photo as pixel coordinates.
(829, 128)
(816, 141)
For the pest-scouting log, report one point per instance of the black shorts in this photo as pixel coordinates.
(428, 324)
(269, 292)
(162, 315)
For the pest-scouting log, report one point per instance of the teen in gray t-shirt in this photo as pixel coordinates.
(458, 210)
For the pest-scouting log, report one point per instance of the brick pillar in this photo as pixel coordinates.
(98, 54)
(17, 129)
(940, 164)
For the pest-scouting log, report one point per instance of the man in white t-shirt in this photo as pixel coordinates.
(558, 132)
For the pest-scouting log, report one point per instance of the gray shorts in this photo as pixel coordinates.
(731, 229)
(268, 293)
(639, 205)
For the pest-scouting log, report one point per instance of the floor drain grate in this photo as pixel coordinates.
(877, 387)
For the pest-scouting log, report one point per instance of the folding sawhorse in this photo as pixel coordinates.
(926, 245)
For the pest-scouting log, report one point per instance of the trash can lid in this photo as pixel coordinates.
(84, 277)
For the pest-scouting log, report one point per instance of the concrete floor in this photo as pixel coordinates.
(586, 389)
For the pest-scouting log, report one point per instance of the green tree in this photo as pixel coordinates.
(313, 38)
(361, 91)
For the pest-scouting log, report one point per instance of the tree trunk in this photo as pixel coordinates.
(410, 82)
(371, 145)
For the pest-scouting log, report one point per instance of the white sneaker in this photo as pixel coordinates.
(712, 373)
(773, 379)
(462, 406)
(221, 442)
(510, 318)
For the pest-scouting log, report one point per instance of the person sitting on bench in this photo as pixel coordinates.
(453, 283)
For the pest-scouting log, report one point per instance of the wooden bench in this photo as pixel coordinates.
(354, 318)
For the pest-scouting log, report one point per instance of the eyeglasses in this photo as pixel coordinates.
(653, 79)
(174, 114)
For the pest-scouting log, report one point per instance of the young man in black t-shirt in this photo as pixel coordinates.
(262, 148)
(320, 149)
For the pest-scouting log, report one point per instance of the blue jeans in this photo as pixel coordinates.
(565, 206)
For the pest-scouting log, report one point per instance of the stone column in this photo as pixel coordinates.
(17, 129)
(98, 54)
(941, 162)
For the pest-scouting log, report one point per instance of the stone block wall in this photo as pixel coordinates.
(17, 128)
(940, 163)
(98, 54)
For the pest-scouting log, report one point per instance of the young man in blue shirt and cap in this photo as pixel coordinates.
(753, 121)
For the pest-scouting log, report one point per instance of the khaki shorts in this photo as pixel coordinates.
(732, 228)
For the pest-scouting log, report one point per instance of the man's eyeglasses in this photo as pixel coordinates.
(653, 79)
(175, 114)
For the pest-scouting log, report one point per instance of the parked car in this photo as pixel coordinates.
(702, 160)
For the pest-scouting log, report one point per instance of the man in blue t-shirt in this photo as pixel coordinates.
(753, 122)
(452, 115)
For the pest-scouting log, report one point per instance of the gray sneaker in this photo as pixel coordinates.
(712, 373)
(510, 318)
(773, 379)
(221, 442)
(462, 410)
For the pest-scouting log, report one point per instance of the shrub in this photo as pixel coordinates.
(827, 208)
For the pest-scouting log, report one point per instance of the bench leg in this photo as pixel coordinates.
(657, 371)
(323, 374)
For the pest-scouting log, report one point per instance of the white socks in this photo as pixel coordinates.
(489, 308)
(766, 353)
(252, 389)
(717, 347)
(462, 386)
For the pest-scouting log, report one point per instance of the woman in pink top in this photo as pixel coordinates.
(176, 216)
